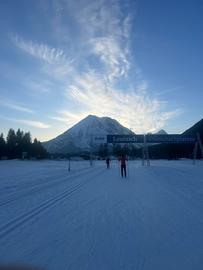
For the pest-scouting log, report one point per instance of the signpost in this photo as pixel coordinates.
(156, 139)
(125, 139)
(151, 138)
(146, 139)
(170, 138)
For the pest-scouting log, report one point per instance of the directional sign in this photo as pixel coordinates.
(125, 138)
(169, 138)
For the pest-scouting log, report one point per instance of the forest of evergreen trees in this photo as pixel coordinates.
(157, 151)
(19, 145)
(117, 150)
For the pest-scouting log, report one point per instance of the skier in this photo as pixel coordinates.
(108, 162)
(123, 160)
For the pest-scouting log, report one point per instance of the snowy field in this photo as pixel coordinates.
(91, 219)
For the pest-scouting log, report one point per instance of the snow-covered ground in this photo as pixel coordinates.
(90, 218)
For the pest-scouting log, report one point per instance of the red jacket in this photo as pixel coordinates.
(123, 160)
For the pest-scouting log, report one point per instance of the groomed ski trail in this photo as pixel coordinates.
(91, 218)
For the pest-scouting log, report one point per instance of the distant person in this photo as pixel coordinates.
(123, 160)
(108, 162)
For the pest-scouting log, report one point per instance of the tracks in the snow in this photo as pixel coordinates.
(41, 184)
(68, 192)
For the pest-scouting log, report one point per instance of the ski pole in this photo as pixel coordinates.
(69, 165)
(128, 169)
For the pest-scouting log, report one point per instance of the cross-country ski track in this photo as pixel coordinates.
(90, 218)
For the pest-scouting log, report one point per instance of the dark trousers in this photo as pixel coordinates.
(123, 170)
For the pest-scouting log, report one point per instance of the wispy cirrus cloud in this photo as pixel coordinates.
(40, 51)
(30, 123)
(54, 61)
(112, 55)
(68, 118)
(14, 106)
(107, 29)
(169, 90)
(135, 110)
(94, 65)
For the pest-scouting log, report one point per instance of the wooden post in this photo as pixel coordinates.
(91, 158)
(147, 155)
(69, 164)
(200, 143)
(91, 149)
(143, 153)
(195, 153)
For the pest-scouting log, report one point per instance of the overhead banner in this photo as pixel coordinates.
(151, 138)
(125, 139)
(169, 138)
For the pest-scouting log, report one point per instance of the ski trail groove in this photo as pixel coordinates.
(22, 219)
(38, 187)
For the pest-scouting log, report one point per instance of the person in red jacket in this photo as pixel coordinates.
(123, 160)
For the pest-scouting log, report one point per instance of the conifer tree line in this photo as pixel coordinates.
(157, 151)
(19, 145)
(117, 150)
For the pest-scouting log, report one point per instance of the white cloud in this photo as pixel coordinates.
(169, 90)
(37, 87)
(94, 91)
(106, 29)
(40, 51)
(31, 123)
(14, 106)
(93, 69)
(54, 61)
(112, 55)
(68, 118)
(133, 109)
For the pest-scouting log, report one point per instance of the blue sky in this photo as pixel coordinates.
(139, 62)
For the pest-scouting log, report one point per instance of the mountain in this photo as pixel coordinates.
(178, 150)
(196, 128)
(79, 137)
(161, 132)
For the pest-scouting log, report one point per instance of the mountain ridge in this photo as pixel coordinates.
(79, 137)
(194, 129)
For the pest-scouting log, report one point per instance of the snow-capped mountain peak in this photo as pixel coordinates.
(161, 132)
(79, 137)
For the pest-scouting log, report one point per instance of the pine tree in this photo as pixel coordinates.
(38, 150)
(125, 150)
(2, 146)
(117, 149)
(26, 143)
(18, 143)
(103, 150)
(19, 140)
(11, 144)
